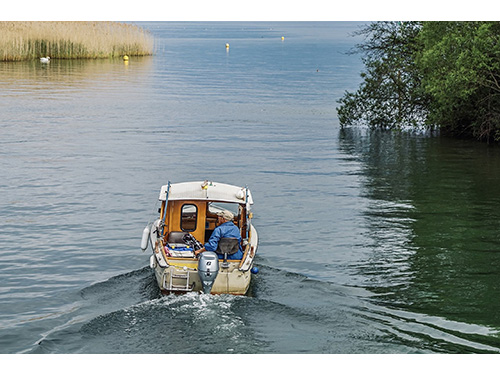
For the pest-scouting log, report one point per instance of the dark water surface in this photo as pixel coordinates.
(370, 242)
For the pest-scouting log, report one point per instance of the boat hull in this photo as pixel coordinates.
(181, 276)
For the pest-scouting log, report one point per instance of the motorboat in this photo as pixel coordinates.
(188, 216)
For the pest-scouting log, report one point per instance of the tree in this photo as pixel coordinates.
(460, 66)
(390, 95)
(431, 74)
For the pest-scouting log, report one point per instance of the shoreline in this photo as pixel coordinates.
(24, 40)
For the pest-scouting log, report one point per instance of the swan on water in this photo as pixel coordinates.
(45, 59)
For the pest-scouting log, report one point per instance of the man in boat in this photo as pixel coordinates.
(225, 228)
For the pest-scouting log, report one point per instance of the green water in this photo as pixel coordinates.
(444, 197)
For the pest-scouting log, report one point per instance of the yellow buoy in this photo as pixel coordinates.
(227, 45)
(282, 38)
(125, 58)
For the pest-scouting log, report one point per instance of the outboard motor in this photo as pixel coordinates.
(208, 268)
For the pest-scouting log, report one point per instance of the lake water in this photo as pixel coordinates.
(370, 242)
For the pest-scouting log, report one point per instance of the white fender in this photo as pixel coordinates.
(145, 237)
(152, 262)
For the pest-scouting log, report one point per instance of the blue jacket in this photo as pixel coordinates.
(227, 229)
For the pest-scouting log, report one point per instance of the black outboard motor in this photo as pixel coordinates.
(208, 268)
(189, 240)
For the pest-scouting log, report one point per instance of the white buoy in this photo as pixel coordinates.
(145, 237)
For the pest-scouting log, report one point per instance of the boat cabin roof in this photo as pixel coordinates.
(207, 191)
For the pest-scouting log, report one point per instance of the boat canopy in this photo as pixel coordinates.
(207, 191)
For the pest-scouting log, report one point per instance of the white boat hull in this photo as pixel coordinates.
(180, 275)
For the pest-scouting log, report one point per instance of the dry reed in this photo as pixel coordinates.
(72, 40)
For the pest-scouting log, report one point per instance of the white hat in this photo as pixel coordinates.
(226, 215)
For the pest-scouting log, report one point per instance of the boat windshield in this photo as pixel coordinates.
(216, 207)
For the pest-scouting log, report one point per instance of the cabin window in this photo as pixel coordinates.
(189, 215)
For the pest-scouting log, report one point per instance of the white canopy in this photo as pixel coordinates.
(206, 190)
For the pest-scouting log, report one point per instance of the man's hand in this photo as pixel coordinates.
(197, 252)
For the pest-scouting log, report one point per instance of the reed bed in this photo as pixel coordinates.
(72, 40)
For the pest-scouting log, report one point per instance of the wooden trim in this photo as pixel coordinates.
(244, 257)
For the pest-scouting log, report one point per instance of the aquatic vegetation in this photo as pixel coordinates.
(72, 40)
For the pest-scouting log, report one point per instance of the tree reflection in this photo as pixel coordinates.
(433, 219)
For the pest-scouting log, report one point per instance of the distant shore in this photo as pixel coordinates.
(72, 40)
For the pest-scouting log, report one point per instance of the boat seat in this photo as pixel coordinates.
(176, 237)
(228, 245)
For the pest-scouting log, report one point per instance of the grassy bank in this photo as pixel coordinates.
(72, 40)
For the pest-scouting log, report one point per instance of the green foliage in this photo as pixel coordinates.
(443, 74)
(460, 63)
